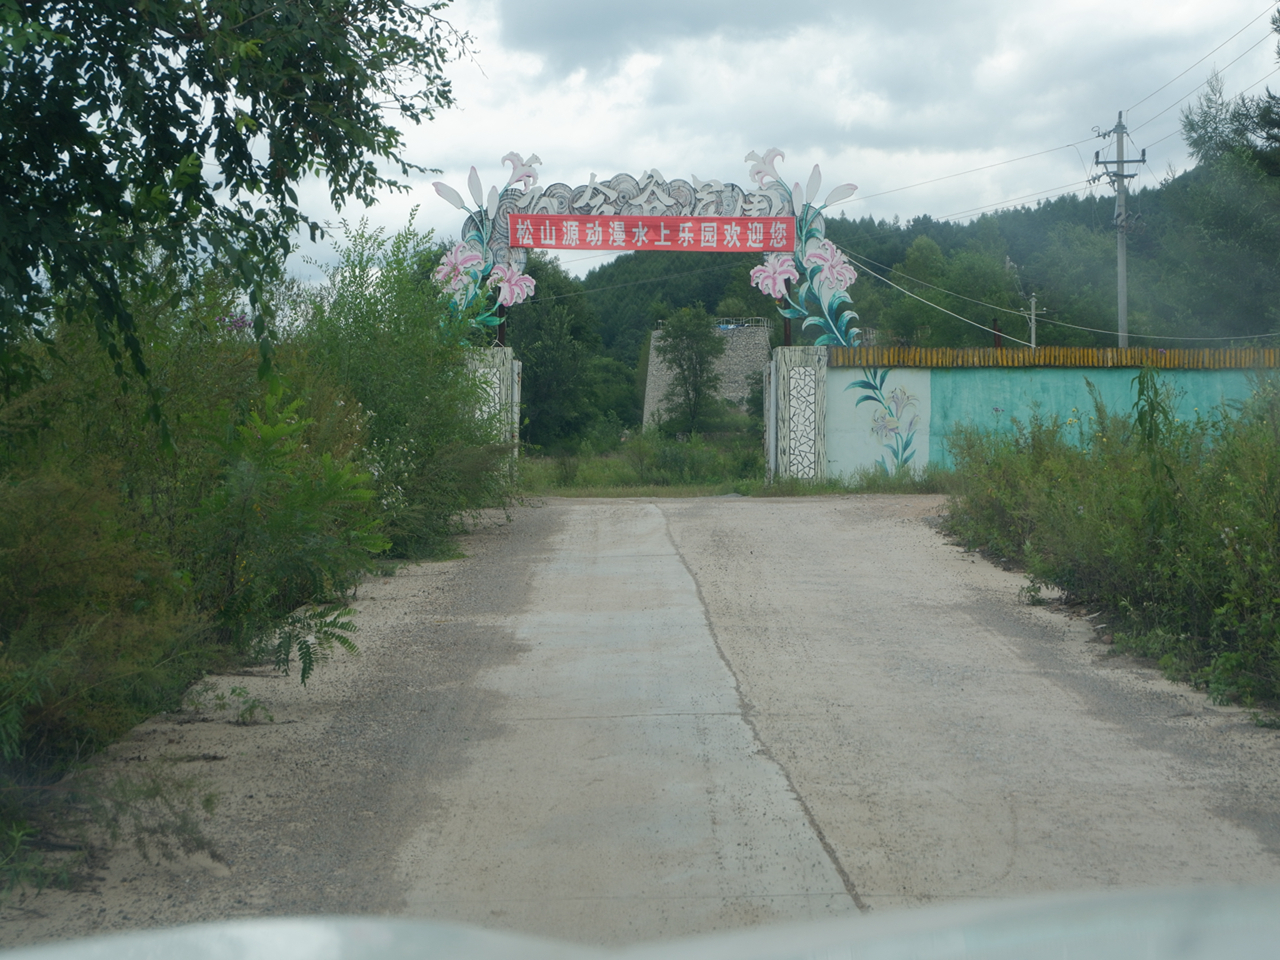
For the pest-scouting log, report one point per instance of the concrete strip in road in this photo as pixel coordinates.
(952, 742)
(583, 731)
(627, 797)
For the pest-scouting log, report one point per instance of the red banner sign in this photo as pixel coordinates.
(709, 234)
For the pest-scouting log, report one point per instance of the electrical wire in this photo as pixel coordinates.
(1065, 187)
(1265, 11)
(972, 323)
(1153, 336)
(1199, 85)
(1162, 139)
(1042, 318)
(1046, 198)
(1260, 79)
(963, 173)
(1269, 73)
(863, 261)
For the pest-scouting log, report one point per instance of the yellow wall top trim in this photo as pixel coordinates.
(1229, 359)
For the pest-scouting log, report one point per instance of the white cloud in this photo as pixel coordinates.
(885, 95)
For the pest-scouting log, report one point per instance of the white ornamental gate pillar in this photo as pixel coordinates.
(498, 373)
(796, 400)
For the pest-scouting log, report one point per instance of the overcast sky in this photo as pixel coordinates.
(886, 95)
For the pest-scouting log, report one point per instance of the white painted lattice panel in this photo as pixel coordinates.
(801, 414)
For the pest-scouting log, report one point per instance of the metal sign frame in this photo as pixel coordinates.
(809, 279)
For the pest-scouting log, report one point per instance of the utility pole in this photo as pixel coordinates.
(1119, 178)
(1011, 267)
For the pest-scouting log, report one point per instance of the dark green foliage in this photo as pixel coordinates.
(1173, 526)
(569, 387)
(632, 291)
(650, 461)
(184, 129)
(126, 571)
(376, 330)
(689, 346)
(556, 338)
(618, 392)
(662, 461)
(283, 530)
(94, 625)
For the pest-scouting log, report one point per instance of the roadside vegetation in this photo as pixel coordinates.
(1172, 526)
(129, 567)
(729, 460)
(200, 459)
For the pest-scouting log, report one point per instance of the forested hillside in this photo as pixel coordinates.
(1203, 254)
(1203, 262)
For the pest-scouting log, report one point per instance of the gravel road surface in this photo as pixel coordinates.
(626, 720)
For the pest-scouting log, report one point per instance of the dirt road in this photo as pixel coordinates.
(628, 720)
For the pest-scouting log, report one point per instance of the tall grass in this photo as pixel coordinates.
(1174, 525)
(653, 463)
(129, 567)
(380, 330)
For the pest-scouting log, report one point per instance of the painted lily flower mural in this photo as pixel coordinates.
(819, 271)
(459, 272)
(765, 166)
(895, 422)
(834, 271)
(771, 278)
(513, 286)
(464, 269)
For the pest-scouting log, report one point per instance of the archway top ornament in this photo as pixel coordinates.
(810, 280)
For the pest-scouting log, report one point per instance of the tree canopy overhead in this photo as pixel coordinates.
(179, 130)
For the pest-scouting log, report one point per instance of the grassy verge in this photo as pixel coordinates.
(656, 466)
(1171, 525)
(134, 560)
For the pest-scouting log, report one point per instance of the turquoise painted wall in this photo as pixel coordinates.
(992, 396)
(921, 407)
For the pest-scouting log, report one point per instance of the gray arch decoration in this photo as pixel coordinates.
(810, 281)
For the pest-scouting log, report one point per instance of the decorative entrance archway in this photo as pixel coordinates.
(804, 272)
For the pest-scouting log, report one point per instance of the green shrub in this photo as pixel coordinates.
(381, 329)
(286, 528)
(96, 630)
(1173, 525)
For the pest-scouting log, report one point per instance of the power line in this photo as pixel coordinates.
(1045, 197)
(862, 261)
(1260, 79)
(1065, 187)
(1201, 84)
(1155, 336)
(972, 323)
(1268, 74)
(865, 260)
(992, 306)
(963, 173)
(1265, 11)
(1162, 139)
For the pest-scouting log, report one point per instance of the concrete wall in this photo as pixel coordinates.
(745, 354)
(498, 373)
(893, 417)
